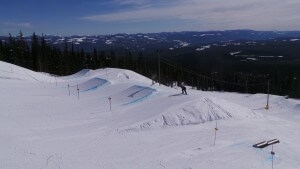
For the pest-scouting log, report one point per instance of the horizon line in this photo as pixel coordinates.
(43, 34)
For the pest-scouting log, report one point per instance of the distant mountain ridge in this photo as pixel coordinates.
(170, 40)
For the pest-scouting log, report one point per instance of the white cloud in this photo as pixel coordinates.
(213, 14)
(18, 25)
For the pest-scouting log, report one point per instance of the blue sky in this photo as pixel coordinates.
(93, 17)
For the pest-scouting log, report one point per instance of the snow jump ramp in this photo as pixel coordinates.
(133, 94)
(77, 75)
(90, 84)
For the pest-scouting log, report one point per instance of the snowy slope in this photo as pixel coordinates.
(9, 71)
(149, 126)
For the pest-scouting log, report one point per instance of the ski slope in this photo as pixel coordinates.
(149, 126)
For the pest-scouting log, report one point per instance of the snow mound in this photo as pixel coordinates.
(297, 107)
(81, 73)
(197, 111)
(10, 71)
(130, 75)
(90, 84)
(133, 94)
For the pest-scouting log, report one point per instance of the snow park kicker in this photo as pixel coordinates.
(81, 73)
(197, 111)
(133, 94)
(90, 84)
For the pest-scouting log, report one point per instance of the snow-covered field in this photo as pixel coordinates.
(148, 127)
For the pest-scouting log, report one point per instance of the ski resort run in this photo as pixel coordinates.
(51, 122)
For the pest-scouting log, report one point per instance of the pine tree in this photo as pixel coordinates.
(44, 56)
(96, 59)
(23, 51)
(2, 53)
(35, 52)
(72, 59)
(65, 60)
(10, 50)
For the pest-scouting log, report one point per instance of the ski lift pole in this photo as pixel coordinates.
(216, 129)
(69, 89)
(109, 100)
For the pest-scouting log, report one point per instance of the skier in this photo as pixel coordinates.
(183, 89)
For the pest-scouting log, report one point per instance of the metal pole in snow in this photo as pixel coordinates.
(272, 153)
(55, 81)
(267, 106)
(216, 129)
(69, 89)
(109, 99)
(78, 91)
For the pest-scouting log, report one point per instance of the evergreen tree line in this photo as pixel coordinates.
(40, 56)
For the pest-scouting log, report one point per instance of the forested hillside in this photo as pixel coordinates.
(240, 65)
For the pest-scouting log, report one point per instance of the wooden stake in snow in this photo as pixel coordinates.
(216, 129)
(78, 91)
(69, 89)
(109, 100)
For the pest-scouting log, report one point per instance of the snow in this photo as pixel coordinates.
(89, 85)
(208, 34)
(182, 43)
(235, 53)
(252, 59)
(77, 40)
(108, 42)
(149, 38)
(294, 40)
(203, 48)
(266, 56)
(149, 126)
